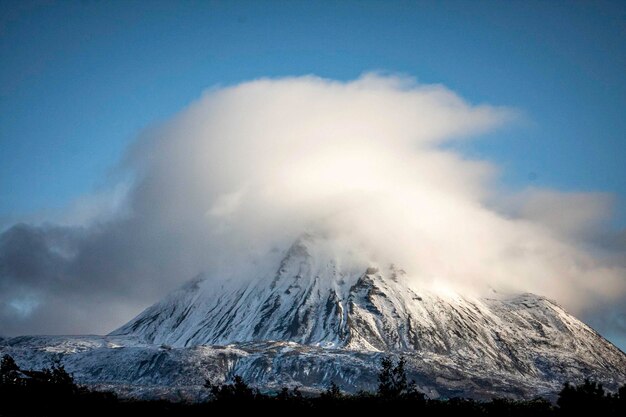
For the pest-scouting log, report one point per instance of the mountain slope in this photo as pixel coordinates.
(134, 369)
(313, 300)
(314, 319)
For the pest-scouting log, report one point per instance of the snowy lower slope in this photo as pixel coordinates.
(313, 320)
(134, 369)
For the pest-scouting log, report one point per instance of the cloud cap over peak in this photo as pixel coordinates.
(248, 168)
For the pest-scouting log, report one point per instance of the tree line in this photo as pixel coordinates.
(53, 391)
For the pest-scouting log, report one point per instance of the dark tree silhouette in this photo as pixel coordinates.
(285, 395)
(58, 376)
(50, 391)
(9, 371)
(393, 382)
(587, 398)
(386, 384)
(53, 391)
(620, 401)
(238, 390)
(332, 393)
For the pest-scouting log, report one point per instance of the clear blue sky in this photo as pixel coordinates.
(79, 79)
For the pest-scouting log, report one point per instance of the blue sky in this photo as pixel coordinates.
(79, 80)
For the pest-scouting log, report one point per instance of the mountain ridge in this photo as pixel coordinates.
(317, 319)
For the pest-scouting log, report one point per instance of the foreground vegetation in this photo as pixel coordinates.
(52, 392)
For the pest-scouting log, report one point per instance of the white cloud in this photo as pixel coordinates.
(248, 168)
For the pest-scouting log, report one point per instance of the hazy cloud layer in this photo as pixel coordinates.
(248, 168)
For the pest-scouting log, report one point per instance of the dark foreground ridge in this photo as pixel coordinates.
(53, 391)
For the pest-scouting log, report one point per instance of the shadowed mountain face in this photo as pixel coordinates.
(313, 321)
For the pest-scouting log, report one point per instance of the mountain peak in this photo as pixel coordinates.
(316, 298)
(319, 317)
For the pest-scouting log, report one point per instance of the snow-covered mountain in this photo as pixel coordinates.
(312, 300)
(314, 320)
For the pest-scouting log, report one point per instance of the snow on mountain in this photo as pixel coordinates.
(312, 300)
(316, 320)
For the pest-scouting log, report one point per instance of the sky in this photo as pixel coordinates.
(83, 85)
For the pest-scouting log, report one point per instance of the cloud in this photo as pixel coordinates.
(248, 168)
(575, 215)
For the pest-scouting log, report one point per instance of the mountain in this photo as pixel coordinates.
(314, 319)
